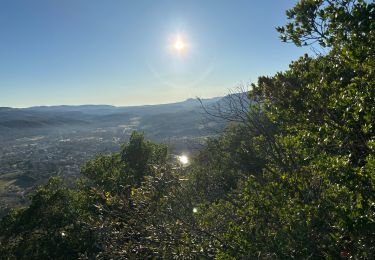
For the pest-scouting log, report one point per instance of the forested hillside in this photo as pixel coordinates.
(292, 176)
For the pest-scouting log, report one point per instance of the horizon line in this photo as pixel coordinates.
(111, 105)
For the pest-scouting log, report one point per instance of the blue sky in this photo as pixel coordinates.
(118, 52)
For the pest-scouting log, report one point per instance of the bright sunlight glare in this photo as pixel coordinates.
(183, 159)
(179, 45)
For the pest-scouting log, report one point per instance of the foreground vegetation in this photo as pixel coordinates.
(293, 176)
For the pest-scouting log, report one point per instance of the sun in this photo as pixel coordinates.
(179, 45)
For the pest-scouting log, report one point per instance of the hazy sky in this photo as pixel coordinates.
(118, 52)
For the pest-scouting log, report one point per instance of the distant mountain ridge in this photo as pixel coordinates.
(173, 120)
(109, 109)
(19, 122)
